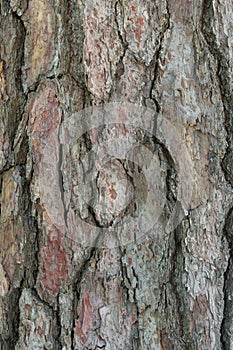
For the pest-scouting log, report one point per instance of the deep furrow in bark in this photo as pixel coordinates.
(227, 100)
(156, 65)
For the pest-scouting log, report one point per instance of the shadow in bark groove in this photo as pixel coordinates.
(226, 327)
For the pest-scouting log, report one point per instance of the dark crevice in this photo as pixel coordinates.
(11, 301)
(226, 325)
(156, 67)
(19, 76)
(120, 65)
(95, 220)
(30, 229)
(171, 175)
(55, 316)
(134, 338)
(152, 97)
(224, 85)
(58, 326)
(182, 333)
(76, 289)
(226, 321)
(61, 178)
(41, 301)
(75, 39)
(26, 280)
(123, 42)
(227, 163)
(174, 278)
(14, 107)
(36, 247)
(118, 7)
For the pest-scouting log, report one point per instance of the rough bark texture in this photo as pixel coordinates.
(167, 289)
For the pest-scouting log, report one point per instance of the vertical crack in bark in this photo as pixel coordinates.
(227, 100)
(182, 336)
(223, 78)
(126, 285)
(15, 107)
(56, 331)
(18, 86)
(76, 289)
(174, 278)
(58, 326)
(226, 327)
(21, 58)
(12, 308)
(120, 64)
(75, 41)
(157, 56)
(61, 180)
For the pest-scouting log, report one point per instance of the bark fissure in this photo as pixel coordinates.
(157, 57)
(61, 181)
(14, 163)
(120, 64)
(223, 78)
(226, 326)
(76, 291)
(222, 75)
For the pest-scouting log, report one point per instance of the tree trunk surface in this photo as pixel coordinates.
(116, 174)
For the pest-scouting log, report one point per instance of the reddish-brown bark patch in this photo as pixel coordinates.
(54, 270)
(45, 117)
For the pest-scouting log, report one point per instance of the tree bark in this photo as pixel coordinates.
(116, 174)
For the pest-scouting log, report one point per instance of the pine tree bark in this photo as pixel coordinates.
(70, 276)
